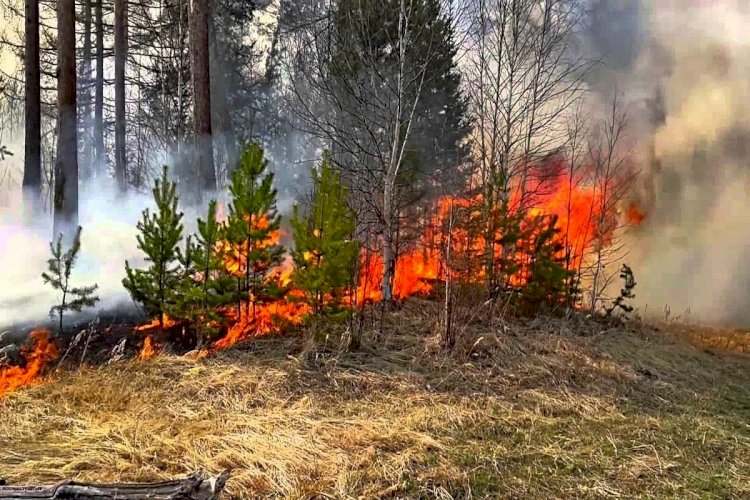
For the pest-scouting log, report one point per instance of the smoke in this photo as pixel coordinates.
(109, 220)
(108, 239)
(685, 66)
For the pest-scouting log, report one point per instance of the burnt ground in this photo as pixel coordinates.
(98, 334)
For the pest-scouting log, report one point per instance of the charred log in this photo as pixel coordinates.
(196, 486)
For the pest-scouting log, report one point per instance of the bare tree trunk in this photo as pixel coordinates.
(66, 166)
(84, 80)
(99, 161)
(221, 122)
(32, 167)
(197, 486)
(449, 337)
(389, 245)
(202, 96)
(121, 50)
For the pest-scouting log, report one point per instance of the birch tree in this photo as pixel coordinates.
(376, 81)
(522, 78)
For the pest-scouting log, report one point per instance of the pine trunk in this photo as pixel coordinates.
(99, 162)
(121, 49)
(202, 96)
(84, 81)
(32, 168)
(66, 166)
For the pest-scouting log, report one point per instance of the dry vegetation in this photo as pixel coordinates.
(520, 411)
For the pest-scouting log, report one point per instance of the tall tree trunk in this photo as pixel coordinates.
(32, 167)
(121, 49)
(202, 96)
(66, 166)
(99, 161)
(221, 120)
(85, 83)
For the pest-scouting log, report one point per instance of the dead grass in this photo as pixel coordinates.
(520, 411)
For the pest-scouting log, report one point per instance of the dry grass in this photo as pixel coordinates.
(520, 411)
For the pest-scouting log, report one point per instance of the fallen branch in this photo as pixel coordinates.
(196, 486)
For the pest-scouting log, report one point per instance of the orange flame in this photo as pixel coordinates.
(264, 319)
(574, 205)
(167, 322)
(147, 351)
(635, 216)
(37, 357)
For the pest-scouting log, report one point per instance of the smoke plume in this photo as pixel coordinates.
(109, 237)
(685, 66)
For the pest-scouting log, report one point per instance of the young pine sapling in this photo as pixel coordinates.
(59, 269)
(252, 223)
(325, 252)
(207, 286)
(160, 235)
(626, 292)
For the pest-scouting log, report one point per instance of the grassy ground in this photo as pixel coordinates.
(519, 411)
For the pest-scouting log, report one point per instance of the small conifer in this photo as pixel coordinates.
(251, 227)
(160, 234)
(325, 252)
(59, 269)
(626, 292)
(206, 286)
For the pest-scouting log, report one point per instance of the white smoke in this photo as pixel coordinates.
(689, 81)
(108, 239)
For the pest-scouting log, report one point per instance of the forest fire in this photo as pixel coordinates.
(580, 217)
(36, 358)
(573, 211)
(264, 318)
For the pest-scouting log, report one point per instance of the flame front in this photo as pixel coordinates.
(37, 357)
(580, 214)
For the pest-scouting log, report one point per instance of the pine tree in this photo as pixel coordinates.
(206, 286)
(325, 253)
(160, 235)
(59, 269)
(546, 276)
(251, 228)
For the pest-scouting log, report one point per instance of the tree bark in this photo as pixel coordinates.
(221, 120)
(85, 83)
(99, 167)
(66, 166)
(202, 96)
(121, 49)
(32, 167)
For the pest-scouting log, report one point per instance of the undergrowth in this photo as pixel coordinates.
(518, 410)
